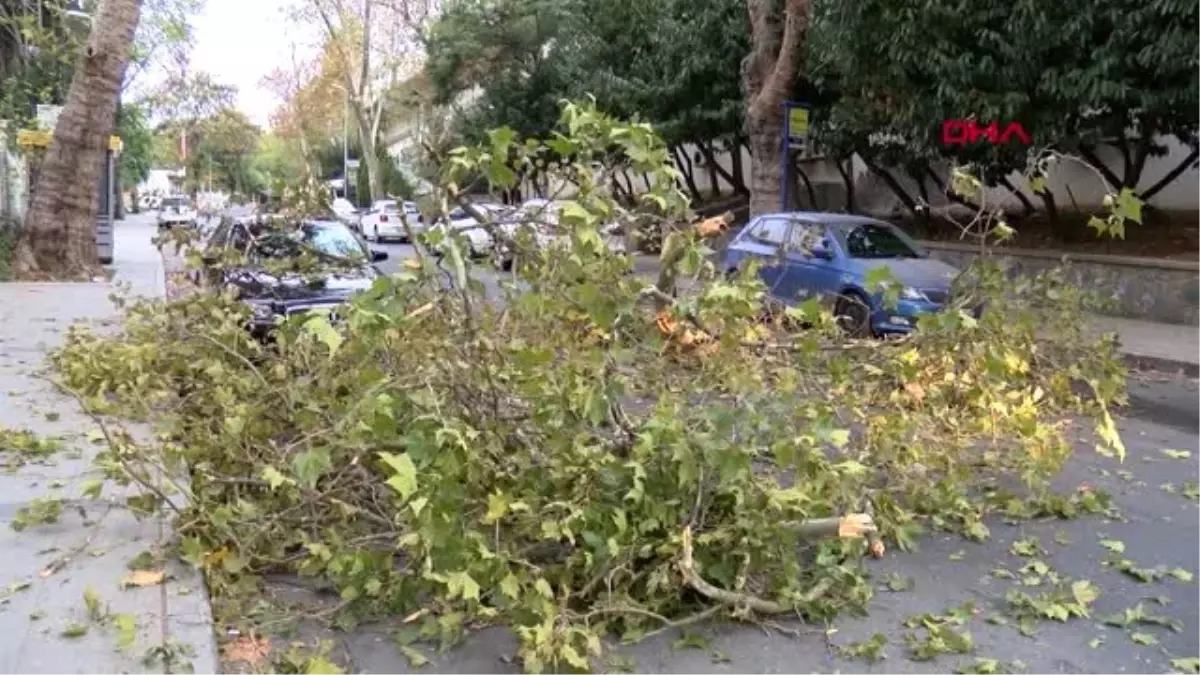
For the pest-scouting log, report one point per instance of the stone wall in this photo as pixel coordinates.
(1150, 289)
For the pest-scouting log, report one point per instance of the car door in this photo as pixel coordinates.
(764, 242)
(807, 275)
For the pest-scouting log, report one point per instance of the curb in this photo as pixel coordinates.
(1161, 364)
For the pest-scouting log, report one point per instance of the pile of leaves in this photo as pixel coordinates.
(559, 463)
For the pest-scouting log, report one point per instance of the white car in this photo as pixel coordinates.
(540, 217)
(479, 241)
(382, 222)
(176, 210)
(345, 212)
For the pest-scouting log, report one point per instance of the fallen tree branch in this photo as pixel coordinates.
(852, 526)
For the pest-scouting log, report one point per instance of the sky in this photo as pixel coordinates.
(241, 41)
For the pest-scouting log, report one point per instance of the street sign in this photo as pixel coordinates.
(47, 116)
(33, 138)
(352, 164)
(795, 138)
(797, 126)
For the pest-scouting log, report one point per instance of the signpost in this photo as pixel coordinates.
(795, 139)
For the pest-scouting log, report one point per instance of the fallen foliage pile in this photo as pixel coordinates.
(560, 463)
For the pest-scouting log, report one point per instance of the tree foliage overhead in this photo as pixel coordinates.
(1074, 76)
(669, 62)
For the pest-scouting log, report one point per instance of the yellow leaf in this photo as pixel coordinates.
(144, 578)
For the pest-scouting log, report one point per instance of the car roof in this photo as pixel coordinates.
(824, 218)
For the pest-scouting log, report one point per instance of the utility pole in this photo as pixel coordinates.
(346, 149)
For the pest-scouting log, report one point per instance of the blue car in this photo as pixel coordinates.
(828, 256)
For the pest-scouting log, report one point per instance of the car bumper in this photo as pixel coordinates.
(902, 318)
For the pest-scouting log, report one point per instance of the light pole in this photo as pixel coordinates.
(346, 150)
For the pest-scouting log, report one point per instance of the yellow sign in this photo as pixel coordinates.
(33, 138)
(798, 122)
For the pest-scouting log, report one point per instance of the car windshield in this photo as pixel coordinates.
(174, 203)
(389, 207)
(331, 240)
(878, 241)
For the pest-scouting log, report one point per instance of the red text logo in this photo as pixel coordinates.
(965, 132)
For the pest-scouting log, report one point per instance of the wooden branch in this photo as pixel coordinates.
(849, 527)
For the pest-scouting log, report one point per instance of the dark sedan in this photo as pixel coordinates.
(272, 295)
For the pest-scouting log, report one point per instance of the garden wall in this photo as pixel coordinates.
(1166, 291)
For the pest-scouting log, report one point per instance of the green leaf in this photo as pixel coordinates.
(404, 473)
(274, 478)
(318, 325)
(1181, 574)
(1143, 639)
(310, 465)
(543, 587)
(1113, 545)
(74, 630)
(1187, 665)
(1085, 592)
(1176, 454)
(415, 658)
(510, 586)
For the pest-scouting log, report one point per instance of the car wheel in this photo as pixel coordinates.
(853, 314)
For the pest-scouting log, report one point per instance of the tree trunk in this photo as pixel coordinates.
(848, 181)
(737, 171)
(809, 190)
(767, 77)
(58, 239)
(709, 151)
(684, 165)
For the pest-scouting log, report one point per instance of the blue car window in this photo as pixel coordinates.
(877, 241)
(770, 231)
(805, 236)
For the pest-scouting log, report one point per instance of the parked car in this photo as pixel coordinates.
(176, 210)
(541, 219)
(479, 242)
(271, 297)
(382, 222)
(346, 212)
(828, 256)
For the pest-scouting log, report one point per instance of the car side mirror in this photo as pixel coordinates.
(378, 256)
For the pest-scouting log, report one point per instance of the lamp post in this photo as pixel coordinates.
(346, 149)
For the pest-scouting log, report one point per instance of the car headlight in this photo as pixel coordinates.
(910, 293)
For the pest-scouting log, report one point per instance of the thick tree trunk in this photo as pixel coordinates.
(767, 77)
(58, 240)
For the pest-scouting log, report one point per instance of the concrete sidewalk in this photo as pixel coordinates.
(48, 569)
(1154, 346)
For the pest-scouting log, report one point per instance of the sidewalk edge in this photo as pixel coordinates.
(1160, 364)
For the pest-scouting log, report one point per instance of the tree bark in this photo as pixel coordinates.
(737, 170)
(685, 168)
(1026, 203)
(58, 240)
(709, 151)
(809, 190)
(848, 181)
(1173, 174)
(767, 76)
